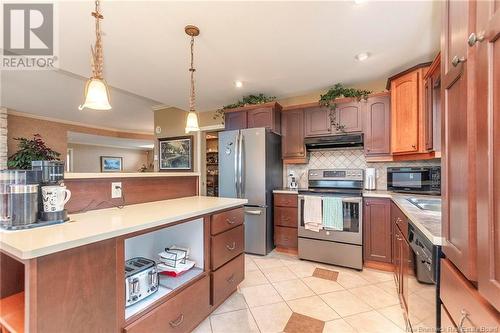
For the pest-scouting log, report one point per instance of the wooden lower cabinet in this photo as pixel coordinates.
(466, 307)
(285, 216)
(377, 230)
(226, 246)
(223, 221)
(285, 237)
(226, 279)
(286, 220)
(182, 313)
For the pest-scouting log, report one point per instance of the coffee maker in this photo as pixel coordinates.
(25, 196)
(51, 185)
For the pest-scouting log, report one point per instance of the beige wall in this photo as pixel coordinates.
(87, 158)
(55, 134)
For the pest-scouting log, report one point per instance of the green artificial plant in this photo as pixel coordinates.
(246, 100)
(339, 91)
(31, 150)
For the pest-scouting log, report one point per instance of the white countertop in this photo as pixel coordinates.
(91, 175)
(98, 225)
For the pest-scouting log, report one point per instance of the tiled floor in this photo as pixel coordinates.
(278, 284)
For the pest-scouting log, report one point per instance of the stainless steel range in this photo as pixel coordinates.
(343, 246)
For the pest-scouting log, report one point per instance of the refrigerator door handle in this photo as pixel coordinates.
(241, 178)
(236, 164)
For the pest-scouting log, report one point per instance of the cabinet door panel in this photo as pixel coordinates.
(262, 117)
(459, 180)
(348, 116)
(317, 121)
(488, 153)
(292, 138)
(235, 120)
(405, 113)
(377, 126)
(428, 110)
(377, 232)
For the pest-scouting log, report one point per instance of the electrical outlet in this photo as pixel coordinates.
(116, 190)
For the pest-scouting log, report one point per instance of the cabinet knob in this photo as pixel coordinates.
(456, 60)
(230, 279)
(229, 221)
(231, 247)
(414, 146)
(473, 38)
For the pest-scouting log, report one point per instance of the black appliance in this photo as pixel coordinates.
(425, 266)
(334, 142)
(419, 180)
(52, 173)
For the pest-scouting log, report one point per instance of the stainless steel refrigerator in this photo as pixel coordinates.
(250, 167)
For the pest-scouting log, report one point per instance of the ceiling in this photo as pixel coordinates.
(107, 141)
(280, 48)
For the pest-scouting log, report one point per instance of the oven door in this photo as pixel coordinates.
(352, 232)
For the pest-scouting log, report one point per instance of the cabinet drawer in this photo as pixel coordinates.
(223, 221)
(226, 246)
(179, 314)
(285, 216)
(285, 237)
(285, 200)
(400, 219)
(226, 279)
(465, 305)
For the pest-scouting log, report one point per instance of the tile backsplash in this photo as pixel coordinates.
(349, 158)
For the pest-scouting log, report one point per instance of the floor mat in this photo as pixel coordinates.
(326, 274)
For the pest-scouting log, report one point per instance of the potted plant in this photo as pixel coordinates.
(30, 150)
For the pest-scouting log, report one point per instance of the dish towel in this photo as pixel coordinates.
(333, 216)
(312, 213)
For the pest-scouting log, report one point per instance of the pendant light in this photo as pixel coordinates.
(96, 88)
(192, 117)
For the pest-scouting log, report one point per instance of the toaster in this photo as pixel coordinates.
(141, 279)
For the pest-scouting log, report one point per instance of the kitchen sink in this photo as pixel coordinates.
(433, 205)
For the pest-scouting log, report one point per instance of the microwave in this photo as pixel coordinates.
(419, 180)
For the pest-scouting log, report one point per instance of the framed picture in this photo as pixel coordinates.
(176, 154)
(111, 164)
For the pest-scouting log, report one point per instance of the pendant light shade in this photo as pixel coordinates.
(192, 117)
(96, 89)
(192, 122)
(96, 95)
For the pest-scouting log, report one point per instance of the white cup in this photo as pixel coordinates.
(54, 198)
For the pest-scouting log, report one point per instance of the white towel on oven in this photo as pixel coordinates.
(313, 215)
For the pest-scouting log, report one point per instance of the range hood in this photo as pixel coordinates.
(343, 141)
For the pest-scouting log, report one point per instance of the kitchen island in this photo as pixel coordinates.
(71, 277)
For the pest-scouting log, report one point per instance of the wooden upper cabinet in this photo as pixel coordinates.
(488, 151)
(292, 134)
(459, 159)
(377, 230)
(432, 106)
(235, 120)
(263, 115)
(377, 126)
(405, 113)
(317, 121)
(349, 117)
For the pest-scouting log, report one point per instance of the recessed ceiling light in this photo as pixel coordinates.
(362, 56)
(238, 84)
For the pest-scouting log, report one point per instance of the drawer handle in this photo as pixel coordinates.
(178, 321)
(230, 279)
(285, 219)
(465, 314)
(253, 212)
(230, 221)
(231, 247)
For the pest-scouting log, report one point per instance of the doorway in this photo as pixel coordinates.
(212, 163)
